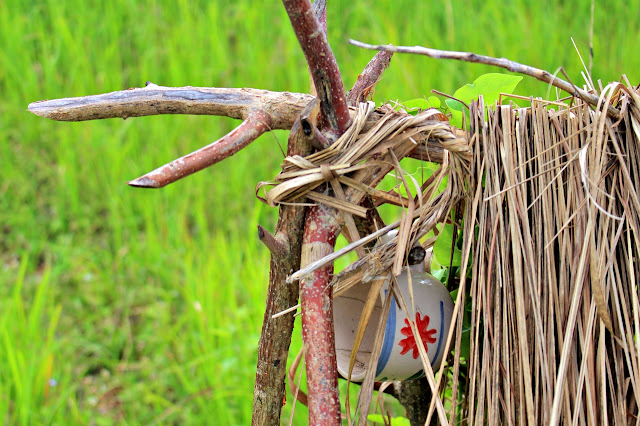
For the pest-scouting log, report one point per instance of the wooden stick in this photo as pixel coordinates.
(255, 125)
(321, 226)
(537, 73)
(316, 298)
(275, 338)
(322, 66)
(370, 76)
(282, 107)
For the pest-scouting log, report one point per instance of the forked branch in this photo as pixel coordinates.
(282, 109)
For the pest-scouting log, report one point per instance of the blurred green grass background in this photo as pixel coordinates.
(121, 305)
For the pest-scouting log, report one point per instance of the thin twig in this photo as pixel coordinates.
(537, 73)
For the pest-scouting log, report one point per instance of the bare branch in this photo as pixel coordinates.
(321, 226)
(275, 245)
(256, 124)
(275, 337)
(283, 107)
(370, 76)
(322, 65)
(316, 299)
(537, 73)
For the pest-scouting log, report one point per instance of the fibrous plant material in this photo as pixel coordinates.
(554, 279)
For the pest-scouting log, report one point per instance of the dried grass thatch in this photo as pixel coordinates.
(552, 232)
(555, 318)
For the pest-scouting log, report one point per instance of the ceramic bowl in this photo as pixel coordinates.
(399, 358)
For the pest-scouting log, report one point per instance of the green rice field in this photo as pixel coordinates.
(128, 306)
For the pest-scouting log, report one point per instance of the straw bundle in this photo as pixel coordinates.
(551, 230)
(555, 315)
(357, 162)
(353, 166)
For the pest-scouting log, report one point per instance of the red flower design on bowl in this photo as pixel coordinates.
(409, 343)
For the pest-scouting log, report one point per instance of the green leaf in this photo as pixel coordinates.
(413, 106)
(456, 109)
(420, 103)
(489, 86)
(440, 274)
(442, 248)
(400, 421)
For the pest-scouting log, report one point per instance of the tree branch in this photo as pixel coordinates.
(254, 125)
(275, 338)
(283, 107)
(321, 225)
(322, 66)
(316, 299)
(276, 246)
(370, 76)
(537, 73)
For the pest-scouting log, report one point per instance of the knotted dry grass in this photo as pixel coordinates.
(357, 162)
(353, 166)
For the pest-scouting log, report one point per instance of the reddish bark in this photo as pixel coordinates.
(322, 67)
(256, 124)
(321, 231)
(370, 76)
(321, 226)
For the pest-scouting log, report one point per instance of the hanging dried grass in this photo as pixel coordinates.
(552, 232)
(555, 315)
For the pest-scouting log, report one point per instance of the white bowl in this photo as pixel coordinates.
(399, 357)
